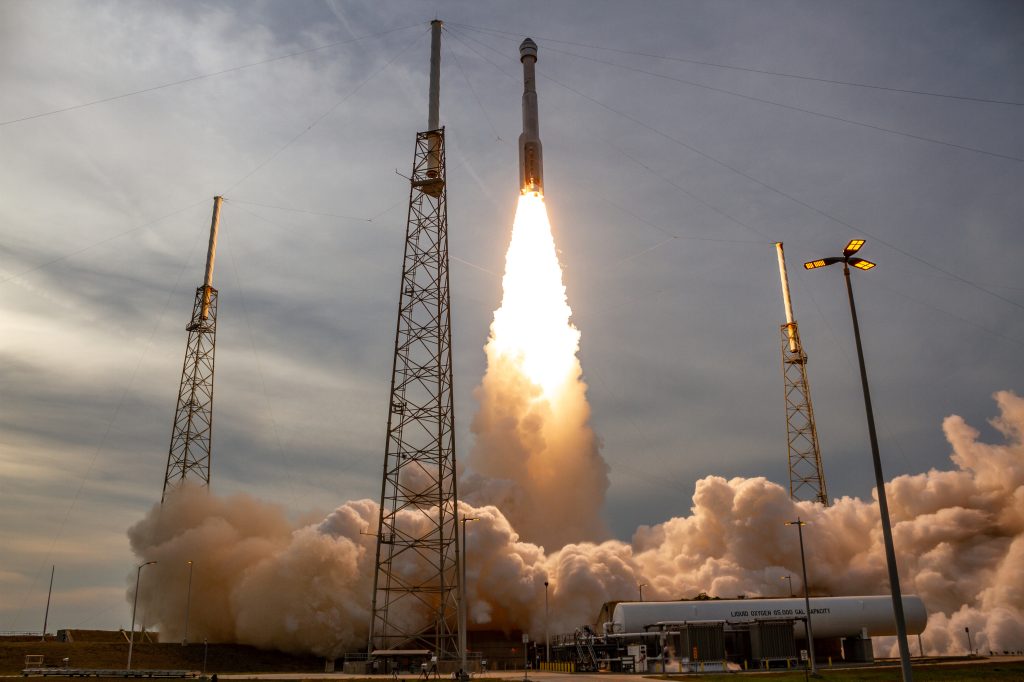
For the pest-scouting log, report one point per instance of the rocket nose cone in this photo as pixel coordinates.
(527, 48)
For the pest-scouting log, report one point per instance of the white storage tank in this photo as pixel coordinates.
(830, 616)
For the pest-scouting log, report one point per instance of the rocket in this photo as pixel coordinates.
(531, 161)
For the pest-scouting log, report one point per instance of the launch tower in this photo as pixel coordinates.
(189, 454)
(806, 475)
(415, 588)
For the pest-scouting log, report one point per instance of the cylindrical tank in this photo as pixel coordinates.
(830, 616)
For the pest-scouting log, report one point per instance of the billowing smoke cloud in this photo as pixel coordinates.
(535, 455)
(306, 587)
(256, 578)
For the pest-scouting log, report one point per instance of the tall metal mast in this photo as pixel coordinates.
(806, 474)
(189, 454)
(415, 587)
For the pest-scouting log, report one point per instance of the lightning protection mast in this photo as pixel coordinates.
(189, 454)
(806, 474)
(415, 587)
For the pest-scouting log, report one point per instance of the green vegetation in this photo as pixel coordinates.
(990, 670)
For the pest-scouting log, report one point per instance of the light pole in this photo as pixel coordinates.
(807, 599)
(188, 603)
(790, 579)
(46, 616)
(462, 597)
(135, 604)
(847, 260)
(547, 638)
(641, 587)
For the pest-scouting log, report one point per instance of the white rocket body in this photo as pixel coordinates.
(531, 159)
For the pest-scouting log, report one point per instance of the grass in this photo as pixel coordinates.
(983, 672)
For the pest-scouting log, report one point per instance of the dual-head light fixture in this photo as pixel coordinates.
(853, 247)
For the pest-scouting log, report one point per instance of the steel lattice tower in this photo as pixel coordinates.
(191, 436)
(806, 474)
(415, 589)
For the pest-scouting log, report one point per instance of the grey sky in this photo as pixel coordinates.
(105, 213)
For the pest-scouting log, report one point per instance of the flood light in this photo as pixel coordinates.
(853, 247)
(820, 263)
(861, 263)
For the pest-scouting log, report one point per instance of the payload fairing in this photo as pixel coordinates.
(531, 160)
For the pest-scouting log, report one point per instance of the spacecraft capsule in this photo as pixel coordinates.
(531, 161)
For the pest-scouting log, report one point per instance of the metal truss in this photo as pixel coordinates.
(189, 454)
(806, 474)
(415, 589)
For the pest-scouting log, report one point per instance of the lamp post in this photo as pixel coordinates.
(135, 604)
(46, 616)
(848, 259)
(547, 638)
(188, 603)
(807, 599)
(462, 597)
(790, 579)
(641, 587)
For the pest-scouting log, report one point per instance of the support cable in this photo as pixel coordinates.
(321, 117)
(201, 76)
(263, 382)
(833, 117)
(832, 219)
(205, 199)
(747, 69)
(791, 107)
(107, 430)
(476, 97)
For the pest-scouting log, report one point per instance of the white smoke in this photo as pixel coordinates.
(959, 535)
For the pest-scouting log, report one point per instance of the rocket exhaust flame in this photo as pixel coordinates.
(535, 455)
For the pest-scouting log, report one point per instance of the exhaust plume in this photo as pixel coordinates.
(535, 455)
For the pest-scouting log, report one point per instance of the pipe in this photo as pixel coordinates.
(433, 115)
(785, 297)
(211, 254)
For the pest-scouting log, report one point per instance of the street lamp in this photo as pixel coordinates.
(807, 599)
(641, 587)
(848, 259)
(131, 640)
(462, 597)
(547, 639)
(790, 579)
(188, 603)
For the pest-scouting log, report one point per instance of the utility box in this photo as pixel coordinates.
(772, 640)
(639, 654)
(858, 650)
(701, 642)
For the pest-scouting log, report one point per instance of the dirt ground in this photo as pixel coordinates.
(219, 657)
